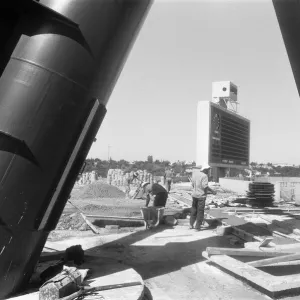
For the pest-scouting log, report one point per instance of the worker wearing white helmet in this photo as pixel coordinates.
(200, 189)
(158, 193)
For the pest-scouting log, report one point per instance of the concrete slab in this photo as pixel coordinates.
(274, 286)
(171, 263)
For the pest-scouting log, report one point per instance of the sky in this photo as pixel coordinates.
(181, 49)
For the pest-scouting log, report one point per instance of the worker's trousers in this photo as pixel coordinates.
(197, 212)
(168, 184)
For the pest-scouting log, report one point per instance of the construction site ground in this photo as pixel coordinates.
(169, 259)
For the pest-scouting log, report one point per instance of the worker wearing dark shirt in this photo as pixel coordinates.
(157, 191)
(200, 189)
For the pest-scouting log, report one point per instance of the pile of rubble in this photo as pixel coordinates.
(100, 190)
(72, 222)
(221, 199)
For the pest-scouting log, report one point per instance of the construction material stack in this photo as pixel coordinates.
(261, 194)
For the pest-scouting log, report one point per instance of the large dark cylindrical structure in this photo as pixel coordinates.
(53, 93)
(288, 16)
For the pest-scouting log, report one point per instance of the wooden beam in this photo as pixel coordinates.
(114, 218)
(266, 241)
(285, 263)
(273, 260)
(242, 252)
(263, 210)
(286, 236)
(287, 248)
(246, 236)
(94, 229)
(241, 269)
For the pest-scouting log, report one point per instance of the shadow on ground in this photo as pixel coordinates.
(155, 260)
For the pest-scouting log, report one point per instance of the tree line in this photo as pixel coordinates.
(180, 168)
(275, 170)
(155, 167)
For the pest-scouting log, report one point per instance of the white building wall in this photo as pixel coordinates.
(203, 127)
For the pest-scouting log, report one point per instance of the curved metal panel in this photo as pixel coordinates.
(288, 15)
(53, 94)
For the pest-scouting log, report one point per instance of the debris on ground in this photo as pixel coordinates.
(98, 190)
(170, 221)
(72, 222)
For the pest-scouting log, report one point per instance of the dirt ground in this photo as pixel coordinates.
(71, 222)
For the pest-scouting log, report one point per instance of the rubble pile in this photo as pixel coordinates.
(72, 222)
(100, 190)
(225, 199)
(221, 199)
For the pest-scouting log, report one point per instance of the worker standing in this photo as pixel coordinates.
(168, 179)
(129, 179)
(158, 193)
(200, 189)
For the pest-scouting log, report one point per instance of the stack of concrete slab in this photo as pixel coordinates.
(261, 194)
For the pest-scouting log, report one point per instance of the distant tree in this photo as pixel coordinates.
(89, 165)
(166, 163)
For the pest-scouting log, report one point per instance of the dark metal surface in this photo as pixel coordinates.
(288, 15)
(53, 93)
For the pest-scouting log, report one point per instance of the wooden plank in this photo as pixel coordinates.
(241, 270)
(94, 229)
(263, 210)
(278, 259)
(266, 241)
(288, 248)
(242, 252)
(114, 218)
(246, 236)
(286, 263)
(88, 290)
(286, 236)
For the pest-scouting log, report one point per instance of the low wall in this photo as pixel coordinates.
(278, 179)
(237, 186)
(286, 188)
